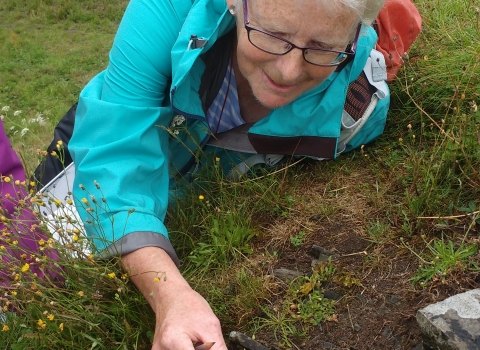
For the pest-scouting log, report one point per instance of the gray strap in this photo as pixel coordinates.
(236, 139)
(349, 130)
(243, 167)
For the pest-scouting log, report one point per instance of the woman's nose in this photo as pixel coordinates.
(291, 66)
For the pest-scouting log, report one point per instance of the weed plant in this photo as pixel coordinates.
(56, 294)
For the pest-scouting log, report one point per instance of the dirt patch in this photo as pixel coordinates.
(379, 311)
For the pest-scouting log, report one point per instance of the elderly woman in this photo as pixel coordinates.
(183, 74)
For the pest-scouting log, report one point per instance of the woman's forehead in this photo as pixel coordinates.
(317, 17)
(319, 8)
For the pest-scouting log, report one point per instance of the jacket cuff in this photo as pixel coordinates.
(136, 240)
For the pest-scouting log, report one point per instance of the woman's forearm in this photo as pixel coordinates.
(154, 274)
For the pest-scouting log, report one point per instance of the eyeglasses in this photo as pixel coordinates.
(275, 45)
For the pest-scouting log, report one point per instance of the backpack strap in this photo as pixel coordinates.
(363, 96)
(236, 139)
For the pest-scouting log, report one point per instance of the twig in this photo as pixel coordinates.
(352, 254)
(449, 217)
(350, 317)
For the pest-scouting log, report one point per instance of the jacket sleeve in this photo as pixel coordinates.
(10, 165)
(119, 144)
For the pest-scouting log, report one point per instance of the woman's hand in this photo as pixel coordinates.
(182, 315)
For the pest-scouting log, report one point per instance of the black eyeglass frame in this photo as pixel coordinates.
(349, 50)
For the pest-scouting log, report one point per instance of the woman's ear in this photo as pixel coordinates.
(230, 3)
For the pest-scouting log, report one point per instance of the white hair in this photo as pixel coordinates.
(366, 10)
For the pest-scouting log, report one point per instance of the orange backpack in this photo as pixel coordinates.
(397, 26)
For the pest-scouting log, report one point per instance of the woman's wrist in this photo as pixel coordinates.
(155, 275)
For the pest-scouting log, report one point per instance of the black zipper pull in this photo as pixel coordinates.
(196, 42)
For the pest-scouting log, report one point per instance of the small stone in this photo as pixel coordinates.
(356, 327)
(386, 332)
(361, 298)
(286, 275)
(328, 345)
(397, 344)
(315, 262)
(330, 294)
(382, 312)
(322, 255)
(317, 217)
(418, 347)
(393, 299)
(237, 338)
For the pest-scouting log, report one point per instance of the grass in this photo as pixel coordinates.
(417, 189)
(50, 50)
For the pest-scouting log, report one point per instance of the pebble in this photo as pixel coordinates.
(322, 254)
(397, 345)
(361, 298)
(356, 327)
(418, 347)
(286, 275)
(317, 217)
(382, 312)
(328, 345)
(244, 341)
(393, 299)
(386, 332)
(330, 294)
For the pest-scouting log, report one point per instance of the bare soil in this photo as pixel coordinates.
(379, 311)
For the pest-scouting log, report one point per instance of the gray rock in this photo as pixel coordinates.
(418, 347)
(361, 298)
(382, 312)
(317, 217)
(322, 254)
(397, 345)
(238, 339)
(453, 324)
(357, 327)
(286, 275)
(393, 299)
(327, 345)
(386, 332)
(330, 294)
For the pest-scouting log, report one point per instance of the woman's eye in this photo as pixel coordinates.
(320, 46)
(278, 34)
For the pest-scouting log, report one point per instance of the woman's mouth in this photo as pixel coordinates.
(278, 87)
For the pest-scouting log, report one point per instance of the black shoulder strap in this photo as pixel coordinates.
(51, 165)
(216, 63)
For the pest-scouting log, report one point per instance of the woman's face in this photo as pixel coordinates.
(276, 80)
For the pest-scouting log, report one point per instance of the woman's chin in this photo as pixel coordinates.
(273, 101)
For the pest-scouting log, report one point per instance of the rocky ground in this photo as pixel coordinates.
(379, 312)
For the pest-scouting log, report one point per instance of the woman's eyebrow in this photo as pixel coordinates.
(274, 27)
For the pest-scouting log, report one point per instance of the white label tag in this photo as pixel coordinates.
(379, 68)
